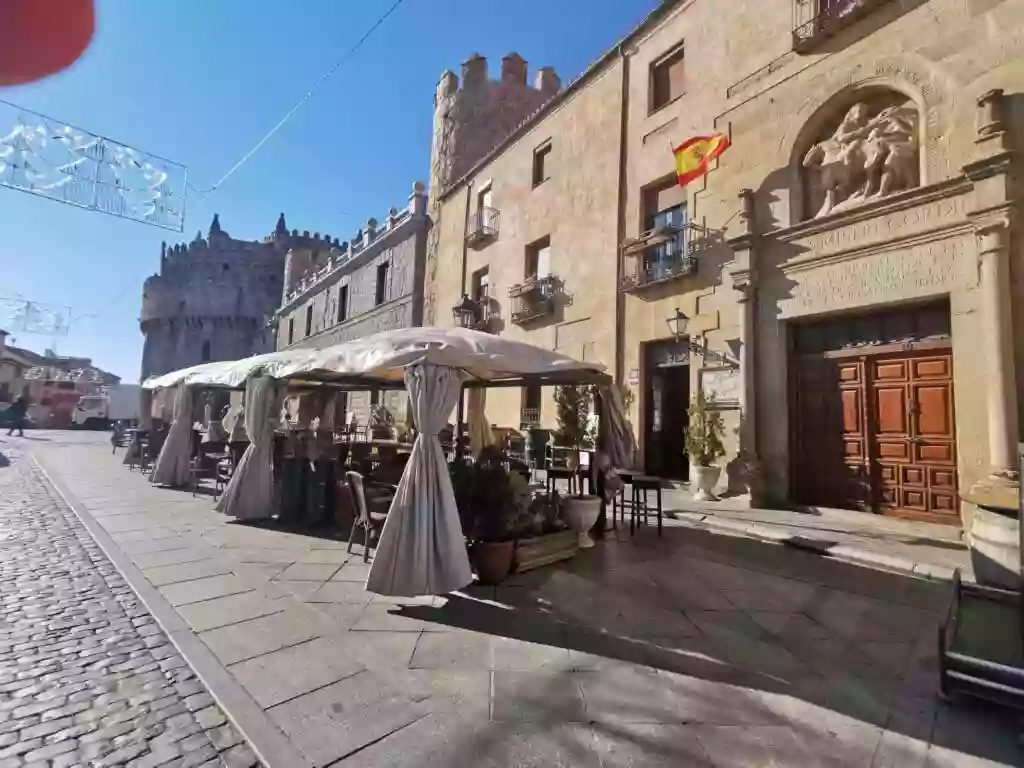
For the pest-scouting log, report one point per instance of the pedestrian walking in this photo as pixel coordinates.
(16, 413)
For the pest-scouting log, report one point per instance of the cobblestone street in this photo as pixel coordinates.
(87, 677)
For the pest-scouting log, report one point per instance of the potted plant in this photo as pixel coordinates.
(704, 446)
(487, 510)
(572, 402)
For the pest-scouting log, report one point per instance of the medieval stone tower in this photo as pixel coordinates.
(470, 120)
(213, 297)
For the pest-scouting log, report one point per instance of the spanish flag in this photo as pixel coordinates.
(694, 156)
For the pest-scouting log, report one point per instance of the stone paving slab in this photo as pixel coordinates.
(87, 676)
(692, 649)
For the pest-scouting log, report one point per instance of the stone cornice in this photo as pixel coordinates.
(901, 201)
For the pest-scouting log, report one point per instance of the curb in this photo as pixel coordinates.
(267, 741)
(822, 547)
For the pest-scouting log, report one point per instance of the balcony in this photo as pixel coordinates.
(662, 255)
(816, 20)
(533, 299)
(529, 417)
(483, 227)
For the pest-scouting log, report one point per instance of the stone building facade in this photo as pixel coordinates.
(369, 284)
(214, 296)
(850, 269)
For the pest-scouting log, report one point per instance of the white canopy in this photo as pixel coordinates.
(384, 357)
(421, 550)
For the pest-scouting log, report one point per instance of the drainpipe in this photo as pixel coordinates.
(465, 235)
(620, 236)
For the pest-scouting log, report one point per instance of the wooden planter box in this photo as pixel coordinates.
(539, 551)
(980, 645)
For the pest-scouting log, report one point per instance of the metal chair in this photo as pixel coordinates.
(371, 523)
(554, 474)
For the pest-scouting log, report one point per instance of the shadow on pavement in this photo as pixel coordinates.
(833, 650)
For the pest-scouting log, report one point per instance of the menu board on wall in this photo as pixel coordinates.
(723, 384)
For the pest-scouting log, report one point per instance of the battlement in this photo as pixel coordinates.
(473, 115)
(305, 265)
(514, 74)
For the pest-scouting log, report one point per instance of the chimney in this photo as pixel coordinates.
(513, 69)
(474, 71)
(548, 82)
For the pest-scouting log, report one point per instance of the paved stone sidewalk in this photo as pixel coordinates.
(87, 677)
(690, 650)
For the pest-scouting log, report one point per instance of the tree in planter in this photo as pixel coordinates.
(572, 410)
(704, 445)
(572, 404)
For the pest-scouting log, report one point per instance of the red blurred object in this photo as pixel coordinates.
(41, 37)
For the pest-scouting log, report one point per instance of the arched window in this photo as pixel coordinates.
(857, 149)
(206, 352)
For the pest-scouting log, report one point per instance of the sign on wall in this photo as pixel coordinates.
(723, 383)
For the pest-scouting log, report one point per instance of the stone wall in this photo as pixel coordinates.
(575, 207)
(401, 244)
(745, 78)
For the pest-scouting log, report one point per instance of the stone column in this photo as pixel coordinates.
(993, 214)
(744, 280)
(997, 339)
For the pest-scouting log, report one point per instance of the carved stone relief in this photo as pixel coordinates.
(871, 154)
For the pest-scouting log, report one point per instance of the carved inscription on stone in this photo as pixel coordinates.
(923, 270)
(900, 224)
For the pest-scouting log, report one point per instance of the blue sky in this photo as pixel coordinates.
(200, 81)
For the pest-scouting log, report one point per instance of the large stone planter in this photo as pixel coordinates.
(582, 512)
(538, 551)
(703, 481)
(995, 548)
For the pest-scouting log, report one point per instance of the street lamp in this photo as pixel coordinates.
(677, 323)
(466, 312)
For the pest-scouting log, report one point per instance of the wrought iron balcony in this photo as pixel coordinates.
(533, 299)
(529, 416)
(816, 20)
(483, 227)
(660, 255)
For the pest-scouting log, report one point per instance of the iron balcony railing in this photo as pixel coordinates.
(533, 299)
(662, 254)
(483, 226)
(817, 19)
(529, 415)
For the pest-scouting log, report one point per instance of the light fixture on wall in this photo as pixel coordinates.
(678, 324)
(466, 313)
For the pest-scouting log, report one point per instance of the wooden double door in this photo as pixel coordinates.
(876, 432)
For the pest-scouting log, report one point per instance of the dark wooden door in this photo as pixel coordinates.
(830, 437)
(914, 450)
(876, 432)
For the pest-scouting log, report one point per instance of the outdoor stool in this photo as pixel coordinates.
(622, 501)
(557, 473)
(642, 486)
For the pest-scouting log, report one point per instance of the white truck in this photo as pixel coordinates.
(120, 403)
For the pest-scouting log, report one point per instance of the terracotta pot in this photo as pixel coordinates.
(583, 512)
(703, 480)
(493, 560)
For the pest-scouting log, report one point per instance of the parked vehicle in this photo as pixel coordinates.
(120, 403)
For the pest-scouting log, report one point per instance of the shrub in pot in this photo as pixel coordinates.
(573, 402)
(487, 510)
(704, 446)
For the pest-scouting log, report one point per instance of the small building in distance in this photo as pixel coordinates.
(369, 284)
